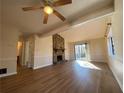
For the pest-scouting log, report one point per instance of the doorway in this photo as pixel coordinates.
(23, 56)
(81, 51)
(19, 52)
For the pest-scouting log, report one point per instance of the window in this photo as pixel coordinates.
(111, 47)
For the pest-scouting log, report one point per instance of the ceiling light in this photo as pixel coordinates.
(48, 10)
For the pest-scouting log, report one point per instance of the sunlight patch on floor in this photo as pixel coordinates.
(87, 64)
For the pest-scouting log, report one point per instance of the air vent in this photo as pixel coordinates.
(3, 71)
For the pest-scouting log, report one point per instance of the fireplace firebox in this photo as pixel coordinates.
(59, 58)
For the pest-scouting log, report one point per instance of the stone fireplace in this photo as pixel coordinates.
(58, 49)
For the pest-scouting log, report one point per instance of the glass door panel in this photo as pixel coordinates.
(80, 52)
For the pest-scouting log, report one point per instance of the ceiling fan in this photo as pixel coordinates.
(48, 8)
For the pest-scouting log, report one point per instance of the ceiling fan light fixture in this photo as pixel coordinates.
(48, 10)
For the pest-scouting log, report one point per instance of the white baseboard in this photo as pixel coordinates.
(8, 74)
(98, 61)
(102, 61)
(116, 77)
(38, 67)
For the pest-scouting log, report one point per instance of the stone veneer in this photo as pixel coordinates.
(58, 49)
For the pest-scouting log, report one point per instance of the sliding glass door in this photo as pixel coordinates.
(81, 52)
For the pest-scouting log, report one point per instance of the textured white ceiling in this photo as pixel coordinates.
(32, 21)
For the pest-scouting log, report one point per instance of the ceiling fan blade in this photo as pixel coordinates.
(61, 2)
(45, 18)
(45, 3)
(59, 15)
(32, 8)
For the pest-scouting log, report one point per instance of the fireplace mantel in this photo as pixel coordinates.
(58, 50)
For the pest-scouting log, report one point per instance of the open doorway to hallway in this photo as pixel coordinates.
(19, 53)
(23, 55)
(81, 51)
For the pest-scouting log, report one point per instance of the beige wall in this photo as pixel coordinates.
(43, 53)
(116, 62)
(96, 50)
(0, 33)
(9, 48)
(67, 50)
(71, 51)
(88, 31)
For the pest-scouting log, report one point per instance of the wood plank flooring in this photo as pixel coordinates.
(69, 77)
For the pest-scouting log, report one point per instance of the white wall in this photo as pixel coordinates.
(86, 31)
(71, 50)
(9, 48)
(116, 62)
(8, 45)
(0, 33)
(43, 53)
(97, 50)
(67, 50)
(26, 53)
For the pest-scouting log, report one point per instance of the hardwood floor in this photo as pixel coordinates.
(69, 77)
